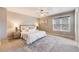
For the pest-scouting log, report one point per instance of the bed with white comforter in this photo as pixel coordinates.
(32, 35)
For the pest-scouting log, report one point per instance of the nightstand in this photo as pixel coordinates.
(17, 35)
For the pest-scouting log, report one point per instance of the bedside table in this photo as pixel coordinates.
(16, 35)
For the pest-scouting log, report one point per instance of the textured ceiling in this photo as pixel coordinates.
(35, 11)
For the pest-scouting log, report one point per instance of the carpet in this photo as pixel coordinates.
(50, 44)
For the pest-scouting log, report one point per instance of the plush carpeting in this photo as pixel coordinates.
(50, 44)
(7, 45)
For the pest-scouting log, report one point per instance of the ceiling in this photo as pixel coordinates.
(35, 11)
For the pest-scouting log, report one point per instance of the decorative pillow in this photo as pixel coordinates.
(28, 29)
(31, 30)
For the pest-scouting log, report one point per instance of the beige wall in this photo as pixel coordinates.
(15, 19)
(47, 26)
(3, 23)
(77, 25)
(9, 20)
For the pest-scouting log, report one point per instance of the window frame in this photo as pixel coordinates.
(60, 19)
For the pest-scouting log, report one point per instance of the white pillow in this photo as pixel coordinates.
(32, 29)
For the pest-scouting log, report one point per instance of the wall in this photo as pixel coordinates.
(77, 25)
(3, 23)
(15, 19)
(48, 27)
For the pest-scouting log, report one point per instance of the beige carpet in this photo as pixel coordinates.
(6, 45)
(46, 44)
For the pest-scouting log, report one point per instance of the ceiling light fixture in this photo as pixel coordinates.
(43, 13)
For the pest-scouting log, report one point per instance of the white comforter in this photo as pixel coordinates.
(33, 36)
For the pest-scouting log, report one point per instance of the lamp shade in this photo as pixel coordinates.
(36, 24)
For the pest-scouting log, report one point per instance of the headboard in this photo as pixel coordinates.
(23, 27)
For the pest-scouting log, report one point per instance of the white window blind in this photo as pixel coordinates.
(61, 23)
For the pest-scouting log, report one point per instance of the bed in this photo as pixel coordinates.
(31, 34)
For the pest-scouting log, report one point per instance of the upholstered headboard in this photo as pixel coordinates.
(24, 27)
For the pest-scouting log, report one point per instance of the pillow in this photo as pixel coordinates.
(33, 29)
(25, 30)
(28, 29)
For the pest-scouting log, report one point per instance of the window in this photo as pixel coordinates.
(62, 23)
